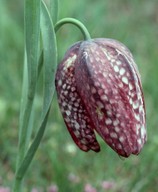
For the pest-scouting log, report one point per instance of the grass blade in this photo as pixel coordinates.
(32, 31)
(31, 151)
(49, 57)
(54, 10)
(50, 64)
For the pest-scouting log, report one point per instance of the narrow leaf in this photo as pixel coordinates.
(54, 10)
(50, 62)
(33, 148)
(49, 57)
(32, 30)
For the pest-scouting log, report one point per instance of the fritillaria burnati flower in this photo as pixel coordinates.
(99, 89)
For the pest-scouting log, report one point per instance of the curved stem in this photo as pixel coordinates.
(76, 23)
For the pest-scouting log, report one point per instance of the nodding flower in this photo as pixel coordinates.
(99, 89)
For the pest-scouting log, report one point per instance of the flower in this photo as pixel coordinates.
(73, 178)
(34, 190)
(99, 88)
(108, 185)
(53, 188)
(4, 189)
(89, 188)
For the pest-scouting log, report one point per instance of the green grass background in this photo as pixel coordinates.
(134, 23)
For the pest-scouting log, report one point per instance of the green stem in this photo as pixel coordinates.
(48, 56)
(30, 153)
(18, 185)
(75, 22)
(19, 180)
(32, 31)
(32, 13)
(28, 157)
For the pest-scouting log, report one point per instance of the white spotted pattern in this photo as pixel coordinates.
(98, 87)
(72, 108)
(114, 97)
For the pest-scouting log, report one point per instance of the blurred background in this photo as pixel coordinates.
(59, 165)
